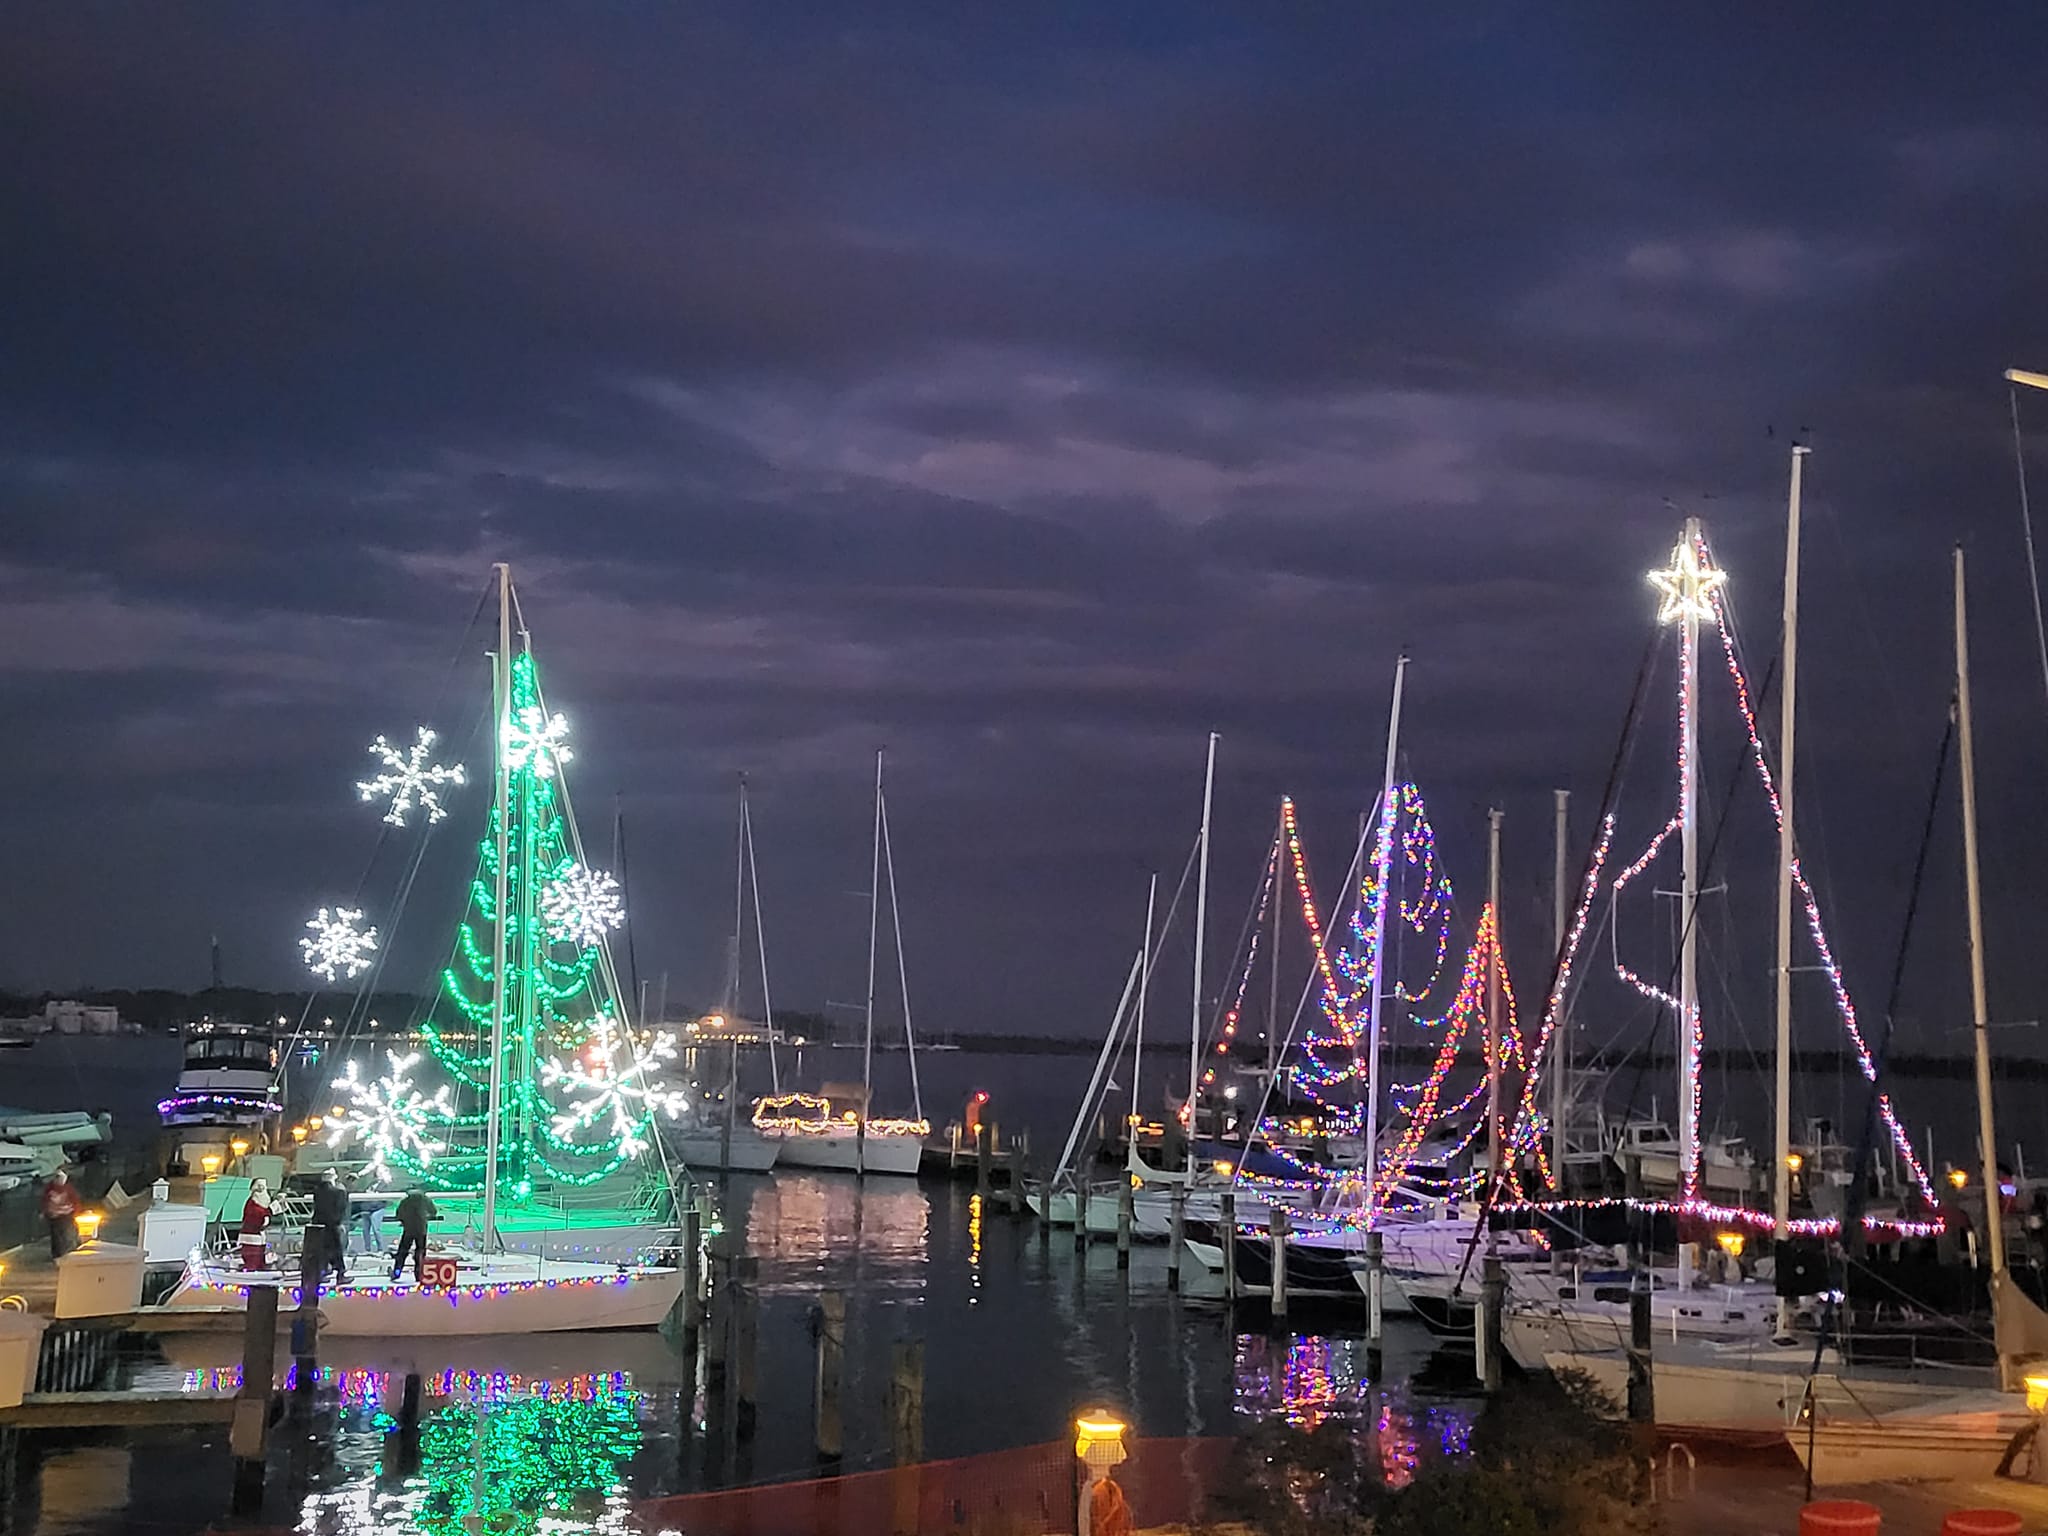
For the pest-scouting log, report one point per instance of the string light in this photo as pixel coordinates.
(1724, 1215)
(336, 945)
(391, 1115)
(581, 905)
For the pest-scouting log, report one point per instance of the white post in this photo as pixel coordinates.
(1383, 866)
(1493, 969)
(1201, 925)
(501, 678)
(1689, 877)
(1980, 1016)
(1560, 1064)
(867, 1053)
(1788, 695)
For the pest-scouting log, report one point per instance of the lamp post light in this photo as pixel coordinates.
(1099, 1443)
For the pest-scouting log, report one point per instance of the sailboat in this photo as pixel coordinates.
(568, 1094)
(838, 1130)
(719, 1138)
(1959, 1434)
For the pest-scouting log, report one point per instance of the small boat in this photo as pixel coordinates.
(504, 1293)
(745, 1151)
(229, 1077)
(61, 1128)
(1954, 1437)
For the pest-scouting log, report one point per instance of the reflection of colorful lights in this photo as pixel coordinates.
(974, 1239)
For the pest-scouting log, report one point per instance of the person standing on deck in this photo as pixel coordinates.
(330, 1221)
(414, 1212)
(60, 1210)
(255, 1217)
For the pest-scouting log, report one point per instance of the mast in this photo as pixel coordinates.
(1390, 817)
(501, 683)
(1987, 1140)
(1560, 1065)
(1494, 963)
(867, 1052)
(1781, 1179)
(1138, 1033)
(902, 966)
(1201, 926)
(739, 908)
(760, 940)
(1689, 881)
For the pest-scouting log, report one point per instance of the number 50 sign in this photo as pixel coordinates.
(439, 1274)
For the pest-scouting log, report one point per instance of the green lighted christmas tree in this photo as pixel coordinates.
(579, 1095)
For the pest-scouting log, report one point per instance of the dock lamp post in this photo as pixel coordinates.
(1099, 1443)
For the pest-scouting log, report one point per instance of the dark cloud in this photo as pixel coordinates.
(1031, 392)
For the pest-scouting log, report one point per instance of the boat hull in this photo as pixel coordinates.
(844, 1152)
(1761, 1394)
(747, 1152)
(501, 1296)
(1924, 1445)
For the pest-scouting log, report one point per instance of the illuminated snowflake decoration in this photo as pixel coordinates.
(336, 945)
(609, 1080)
(581, 905)
(538, 740)
(410, 778)
(392, 1117)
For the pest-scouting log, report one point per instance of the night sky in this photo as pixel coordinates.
(1031, 389)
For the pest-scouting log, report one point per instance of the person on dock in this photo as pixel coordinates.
(414, 1212)
(255, 1218)
(60, 1210)
(329, 1228)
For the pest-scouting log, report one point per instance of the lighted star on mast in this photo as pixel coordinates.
(1687, 585)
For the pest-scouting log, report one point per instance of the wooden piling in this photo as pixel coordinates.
(983, 1135)
(1642, 1407)
(1177, 1236)
(906, 1434)
(828, 1429)
(249, 1431)
(1126, 1214)
(306, 1322)
(1227, 1223)
(1493, 1294)
(1081, 1213)
(693, 1268)
(717, 1322)
(746, 1329)
(1375, 1289)
(1276, 1229)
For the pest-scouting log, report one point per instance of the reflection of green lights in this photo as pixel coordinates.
(507, 1469)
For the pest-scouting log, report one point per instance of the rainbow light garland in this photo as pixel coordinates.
(453, 1294)
(1729, 1215)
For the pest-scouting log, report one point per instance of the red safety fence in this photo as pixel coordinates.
(1029, 1491)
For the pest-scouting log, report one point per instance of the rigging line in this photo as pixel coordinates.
(2019, 454)
(761, 949)
(626, 899)
(1608, 794)
(1852, 1213)
(1261, 887)
(902, 968)
(384, 831)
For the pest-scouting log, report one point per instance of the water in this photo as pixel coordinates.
(1019, 1335)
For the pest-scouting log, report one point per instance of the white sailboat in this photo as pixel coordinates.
(476, 1286)
(825, 1130)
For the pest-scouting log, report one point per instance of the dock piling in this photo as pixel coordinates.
(1276, 1228)
(906, 1402)
(746, 1330)
(828, 1430)
(983, 1135)
(1081, 1213)
(1126, 1213)
(1177, 1235)
(693, 1268)
(249, 1431)
(1493, 1291)
(1227, 1235)
(1641, 1384)
(1375, 1290)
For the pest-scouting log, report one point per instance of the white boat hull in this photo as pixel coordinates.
(1766, 1389)
(1962, 1440)
(500, 1295)
(748, 1152)
(845, 1152)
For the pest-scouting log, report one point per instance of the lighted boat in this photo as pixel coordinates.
(812, 1135)
(501, 1294)
(229, 1077)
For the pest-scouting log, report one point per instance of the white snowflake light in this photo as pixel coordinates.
(391, 1115)
(410, 778)
(581, 905)
(336, 945)
(609, 1080)
(536, 739)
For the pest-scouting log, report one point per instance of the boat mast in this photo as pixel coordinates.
(1560, 1064)
(1201, 926)
(902, 966)
(1987, 1140)
(867, 1053)
(1689, 877)
(501, 683)
(1383, 868)
(1781, 1180)
(1494, 964)
(760, 938)
(1138, 1032)
(739, 908)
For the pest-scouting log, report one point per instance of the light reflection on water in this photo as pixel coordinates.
(1311, 1381)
